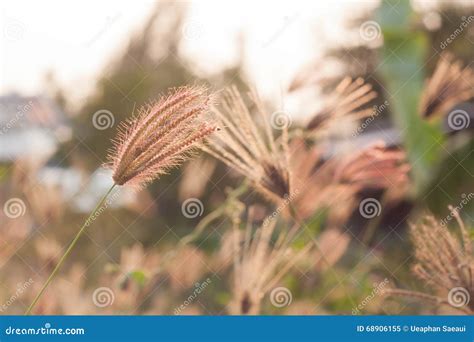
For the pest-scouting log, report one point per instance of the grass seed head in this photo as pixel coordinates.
(161, 136)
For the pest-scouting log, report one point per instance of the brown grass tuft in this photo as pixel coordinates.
(322, 183)
(251, 149)
(450, 84)
(347, 101)
(445, 263)
(375, 166)
(260, 262)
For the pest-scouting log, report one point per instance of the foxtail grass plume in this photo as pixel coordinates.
(249, 148)
(449, 85)
(445, 263)
(161, 136)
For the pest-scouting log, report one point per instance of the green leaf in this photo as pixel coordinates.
(139, 277)
(402, 67)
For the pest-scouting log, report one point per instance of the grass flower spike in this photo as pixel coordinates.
(450, 84)
(444, 262)
(249, 148)
(160, 137)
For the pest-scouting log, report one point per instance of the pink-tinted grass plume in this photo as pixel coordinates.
(161, 136)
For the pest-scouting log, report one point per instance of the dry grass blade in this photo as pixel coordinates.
(260, 262)
(449, 85)
(249, 148)
(347, 101)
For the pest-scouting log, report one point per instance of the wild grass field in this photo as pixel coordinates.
(171, 190)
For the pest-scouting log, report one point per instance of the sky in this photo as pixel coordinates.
(75, 39)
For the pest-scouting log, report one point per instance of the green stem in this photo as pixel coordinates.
(206, 221)
(68, 251)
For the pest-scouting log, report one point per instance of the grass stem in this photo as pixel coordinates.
(68, 251)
